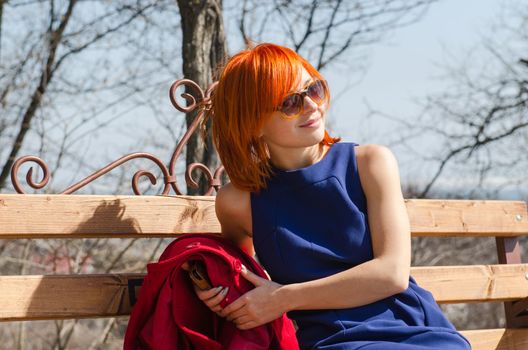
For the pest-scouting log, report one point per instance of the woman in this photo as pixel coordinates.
(327, 218)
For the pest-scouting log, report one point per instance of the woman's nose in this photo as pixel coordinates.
(309, 104)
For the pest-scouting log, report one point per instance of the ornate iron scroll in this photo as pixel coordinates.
(201, 101)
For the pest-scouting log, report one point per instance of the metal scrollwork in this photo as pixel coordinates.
(29, 175)
(201, 100)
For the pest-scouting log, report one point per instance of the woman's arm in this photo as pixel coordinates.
(388, 273)
(232, 207)
(385, 275)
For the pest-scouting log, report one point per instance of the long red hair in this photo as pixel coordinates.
(250, 86)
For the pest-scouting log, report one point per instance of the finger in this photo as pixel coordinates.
(207, 294)
(217, 309)
(242, 319)
(251, 277)
(247, 325)
(235, 305)
(185, 266)
(236, 314)
(214, 301)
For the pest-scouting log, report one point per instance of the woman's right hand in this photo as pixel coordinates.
(211, 297)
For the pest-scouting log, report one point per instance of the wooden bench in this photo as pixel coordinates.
(52, 297)
(109, 295)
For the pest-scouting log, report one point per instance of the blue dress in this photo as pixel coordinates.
(311, 223)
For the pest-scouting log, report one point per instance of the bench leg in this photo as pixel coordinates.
(509, 252)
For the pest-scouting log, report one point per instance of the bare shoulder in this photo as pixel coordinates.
(233, 210)
(377, 167)
(373, 152)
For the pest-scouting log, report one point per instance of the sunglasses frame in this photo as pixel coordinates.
(302, 94)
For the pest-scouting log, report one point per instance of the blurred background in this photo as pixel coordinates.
(442, 83)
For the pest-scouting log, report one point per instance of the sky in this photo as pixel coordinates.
(403, 67)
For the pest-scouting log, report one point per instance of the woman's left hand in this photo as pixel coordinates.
(256, 307)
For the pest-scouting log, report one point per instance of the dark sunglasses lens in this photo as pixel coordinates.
(291, 105)
(316, 91)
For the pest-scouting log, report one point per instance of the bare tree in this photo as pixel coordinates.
(39, 74)
(482, 118)
(324, 31)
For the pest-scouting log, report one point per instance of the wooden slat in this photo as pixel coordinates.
(58, 297)
(467, 217)
(474, 283)
(64, 296)
(75, 216)
(497, 339)
(77, 296)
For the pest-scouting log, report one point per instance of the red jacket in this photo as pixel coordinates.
(169, 315)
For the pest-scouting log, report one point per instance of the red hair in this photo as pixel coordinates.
(250, 86)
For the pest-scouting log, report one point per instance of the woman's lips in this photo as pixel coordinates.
(312, 124)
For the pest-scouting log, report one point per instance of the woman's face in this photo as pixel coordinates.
(283, 133)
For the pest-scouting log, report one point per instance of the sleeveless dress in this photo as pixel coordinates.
(311, 223)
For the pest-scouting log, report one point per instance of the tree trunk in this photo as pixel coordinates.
(203, 48)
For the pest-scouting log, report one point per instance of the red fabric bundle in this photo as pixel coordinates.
(169, 315)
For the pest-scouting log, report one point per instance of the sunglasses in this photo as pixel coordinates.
(293, 105)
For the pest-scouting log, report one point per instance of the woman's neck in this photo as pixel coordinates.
(296, 158)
